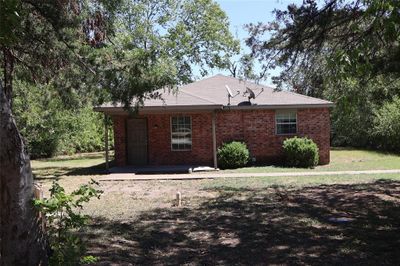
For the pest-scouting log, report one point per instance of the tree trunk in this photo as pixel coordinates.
(21, 239)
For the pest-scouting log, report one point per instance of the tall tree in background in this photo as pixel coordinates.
(343, 50)
(346, 38)
(163, 44)
(126, 48)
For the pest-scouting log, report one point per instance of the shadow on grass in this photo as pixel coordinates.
(253, 227)
(371, 151)
(99, 169)
(55, 172)
(78, 156)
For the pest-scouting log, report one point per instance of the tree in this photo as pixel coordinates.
(126, 48)
(35, 41)
(352, 38)
(52, 126)
(357, 103)
(345, 51)
(243, 68)
(159, 42)
(387, 125)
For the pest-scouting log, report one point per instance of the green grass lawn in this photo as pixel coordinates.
(342, 159)
(241, 221)
(75, 165)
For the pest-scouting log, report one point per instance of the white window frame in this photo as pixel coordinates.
(191, 131)
(280, 112)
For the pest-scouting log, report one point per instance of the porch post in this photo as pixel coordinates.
(106, 139)
(214, 141)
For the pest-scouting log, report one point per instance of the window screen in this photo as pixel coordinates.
(181, 133)
(286, 122)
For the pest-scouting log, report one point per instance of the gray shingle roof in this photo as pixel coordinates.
(212, 92)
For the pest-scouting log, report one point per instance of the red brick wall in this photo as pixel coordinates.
(315, 124)
(255, 127)
(159, 144)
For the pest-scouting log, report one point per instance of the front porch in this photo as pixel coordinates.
(161, 169)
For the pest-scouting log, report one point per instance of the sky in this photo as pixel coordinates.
(241, 12)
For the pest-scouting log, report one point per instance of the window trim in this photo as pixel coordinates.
(276, 122)
(191, 132)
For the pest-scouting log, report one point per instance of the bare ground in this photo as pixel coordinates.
(242, 221)
(139, 224)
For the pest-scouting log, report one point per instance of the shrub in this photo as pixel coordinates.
(63, 221)
(386, 129)
(233, 155)
(300, 152)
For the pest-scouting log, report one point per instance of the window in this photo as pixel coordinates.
(181, 133)
(286, 122)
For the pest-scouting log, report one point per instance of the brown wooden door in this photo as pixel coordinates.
(137, 141)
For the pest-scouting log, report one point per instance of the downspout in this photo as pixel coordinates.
(106, 140)
(214, 138)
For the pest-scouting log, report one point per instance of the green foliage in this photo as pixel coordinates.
(386, 126)
(84, 131)
(357, 69)
(49, 127)
(303, 34)
(59, 69)
(300, 152)
(63, 221)
(160, 42)
(233, 155)
(357, 103)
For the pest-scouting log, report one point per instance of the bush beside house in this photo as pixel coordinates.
(233, 155)
(300, 152)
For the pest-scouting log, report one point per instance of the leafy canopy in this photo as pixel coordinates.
(120, 50)
(158, 43)
(83, 53)
(341, 38)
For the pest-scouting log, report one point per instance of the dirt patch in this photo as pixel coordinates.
(278, 225)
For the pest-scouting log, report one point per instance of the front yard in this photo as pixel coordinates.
(342, 159)
(267, 220)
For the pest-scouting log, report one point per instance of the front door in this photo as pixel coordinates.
(137, 141)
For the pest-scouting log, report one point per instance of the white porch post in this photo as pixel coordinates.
(214, 140)
(106, 140)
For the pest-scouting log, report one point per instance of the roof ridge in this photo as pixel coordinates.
(202, 79)
(306, 96)
(245, 80)
(285, 91)
(193, 95)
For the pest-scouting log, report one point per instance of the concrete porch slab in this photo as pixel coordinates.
(149, 177)
(164, 169)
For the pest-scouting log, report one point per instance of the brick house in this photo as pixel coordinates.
(187, 127)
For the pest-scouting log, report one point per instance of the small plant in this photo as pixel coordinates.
(300, 152)
(233, 155)
(63, 220)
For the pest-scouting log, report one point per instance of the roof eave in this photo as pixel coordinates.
(156, 109)
(280, 106)
(192, 108)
